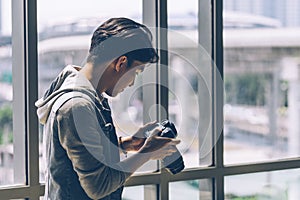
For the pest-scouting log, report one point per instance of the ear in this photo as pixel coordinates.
(121, 63)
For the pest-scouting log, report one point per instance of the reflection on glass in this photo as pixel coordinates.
(184, 108)
(192, 189)
(64, 37)
(276, 185)
(261, 82)
(189, 96)
(127, 111)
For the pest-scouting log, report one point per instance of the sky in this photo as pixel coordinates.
(51, 11)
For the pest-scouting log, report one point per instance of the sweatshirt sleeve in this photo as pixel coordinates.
(81, 136)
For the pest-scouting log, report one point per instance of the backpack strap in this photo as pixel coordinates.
(63, 98)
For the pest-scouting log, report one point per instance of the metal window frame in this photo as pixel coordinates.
(212, 31)
(26, 82)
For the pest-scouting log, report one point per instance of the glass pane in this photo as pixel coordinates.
(12, 157)
(192, 189)
(261, 80)
(6, 113)
(127, 110)
(139, 192)
(276, 185)
(64, 38)
(189, 84)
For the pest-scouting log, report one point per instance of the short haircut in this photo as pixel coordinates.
(122, 36)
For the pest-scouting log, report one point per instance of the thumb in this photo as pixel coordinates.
(155, 132)
(149, 126)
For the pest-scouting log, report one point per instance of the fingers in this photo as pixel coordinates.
(164, 152)
(149, 126)
(155, 132)
(169, 149)
(169, 152)
(168, 142)
(174, 142)
(144, 131)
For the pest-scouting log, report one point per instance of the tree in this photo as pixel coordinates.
(6, 124)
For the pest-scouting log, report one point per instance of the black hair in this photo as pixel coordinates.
(122, 36)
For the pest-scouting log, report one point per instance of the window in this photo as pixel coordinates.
(265, 185)
(191, 189)
(15, 61)
(231, 64)
(6, 117)
(64, 39)
(261, 77)
(261, 74)
(12, 135)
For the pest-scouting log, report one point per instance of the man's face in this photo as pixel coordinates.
(126, 78)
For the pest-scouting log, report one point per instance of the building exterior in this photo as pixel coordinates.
(286, 11)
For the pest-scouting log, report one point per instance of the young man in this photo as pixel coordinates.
(81, 146)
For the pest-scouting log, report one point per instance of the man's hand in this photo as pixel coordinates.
(157, 147)
(140, 136)
(152, 147)
(137, 140)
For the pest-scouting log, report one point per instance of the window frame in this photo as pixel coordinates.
(25, 79)
(25, 84)
(212, 32)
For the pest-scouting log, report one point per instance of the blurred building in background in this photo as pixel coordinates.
(287, 11)
(261, 78)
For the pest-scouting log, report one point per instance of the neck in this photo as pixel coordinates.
(95, 75)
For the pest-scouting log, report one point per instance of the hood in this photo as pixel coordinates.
(68, 80)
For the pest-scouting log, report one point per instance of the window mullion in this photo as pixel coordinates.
(150, 94)
(31, 87)
(163, 81)
(162, 76)
(217, 56)
(18, 66)
(218, 87)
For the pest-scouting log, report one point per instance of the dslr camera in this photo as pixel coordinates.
(174, 163)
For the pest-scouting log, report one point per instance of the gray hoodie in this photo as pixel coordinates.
(81, 154)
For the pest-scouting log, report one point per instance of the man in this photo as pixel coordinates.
(81, 146)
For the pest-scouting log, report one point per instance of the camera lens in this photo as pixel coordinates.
(174, 163)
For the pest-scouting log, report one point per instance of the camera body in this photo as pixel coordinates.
(174, 163)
